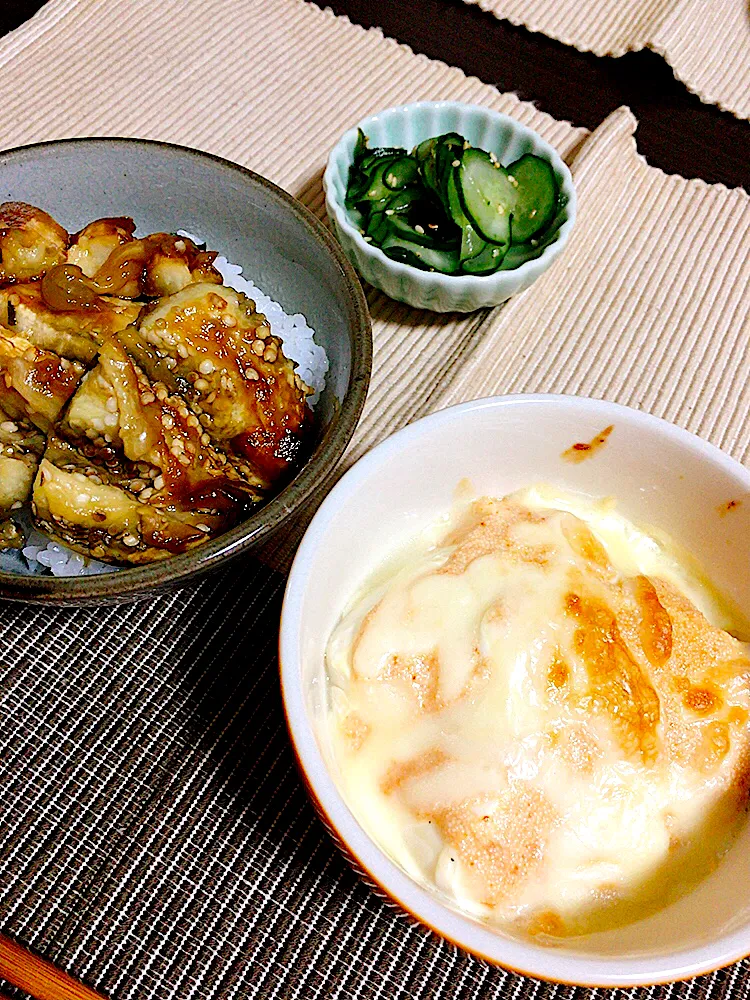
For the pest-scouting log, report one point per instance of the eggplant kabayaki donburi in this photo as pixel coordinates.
(144, 405)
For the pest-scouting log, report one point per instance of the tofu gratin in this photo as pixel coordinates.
(539, 713)
(145, 406)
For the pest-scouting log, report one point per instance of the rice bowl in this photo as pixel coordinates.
(291, 257)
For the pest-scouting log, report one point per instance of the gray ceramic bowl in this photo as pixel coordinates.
(280, 245)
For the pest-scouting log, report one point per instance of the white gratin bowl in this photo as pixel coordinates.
(663, 477)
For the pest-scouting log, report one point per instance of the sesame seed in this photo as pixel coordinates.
(228, 320)
(179, 245)
(130, 540)
(456, 163)
(111, 404)
(8, 426)
(258, 347)
(201, 384)
(16, 505)
(182, 350)
(206, 366)
(167, 421)
(203, 527)
(205, 438)
(145, 494)
(147, 397)
(159, 483)
(183, 460)
(419, 229)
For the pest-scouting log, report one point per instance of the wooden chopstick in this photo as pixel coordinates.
(43, 980)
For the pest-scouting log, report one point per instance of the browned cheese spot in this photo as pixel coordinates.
(728, 507)
(487, 531)
(714, 746)
(655, 631)
(406, 770)
(546, 923)
(578, 749)
(420, 674)
(585, 545)
(702, 701)
(618, 687)
(355, 730)
(559, 671)
(500, 839)
(582, 450)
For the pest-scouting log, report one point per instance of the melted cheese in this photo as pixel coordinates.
(537, 713)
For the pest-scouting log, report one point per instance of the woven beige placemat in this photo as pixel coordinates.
(649, 306)
(706, 42)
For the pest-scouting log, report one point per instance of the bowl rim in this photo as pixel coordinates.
(524, 958)
(456, 283)
(130, 583)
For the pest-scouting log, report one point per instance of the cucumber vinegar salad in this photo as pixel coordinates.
(448, 206)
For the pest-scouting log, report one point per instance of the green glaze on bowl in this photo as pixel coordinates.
(278, 243)
(408, 125)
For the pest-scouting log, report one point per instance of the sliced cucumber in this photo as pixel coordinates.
(376, 156)
(405, 200)
(448, 152)
(378, 190)
(421, 236)
(425, 154)
(471, 242)
(536, 196)
(360, 147)
(377, 226)
(425, 258)
(401, 173)
(487, 195)
(487, 261)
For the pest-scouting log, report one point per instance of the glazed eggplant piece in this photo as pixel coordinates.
(131, 476)
(35, 383)
(91, 248)
(222, 355)
(119, 264)
(31, 242)
(61, 314)
(21, 444)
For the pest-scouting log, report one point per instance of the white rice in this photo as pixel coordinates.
(311, 363)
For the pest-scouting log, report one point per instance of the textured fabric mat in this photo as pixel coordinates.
(154, 837)
(706, 42)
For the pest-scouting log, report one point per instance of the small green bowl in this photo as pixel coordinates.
(408, 125)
